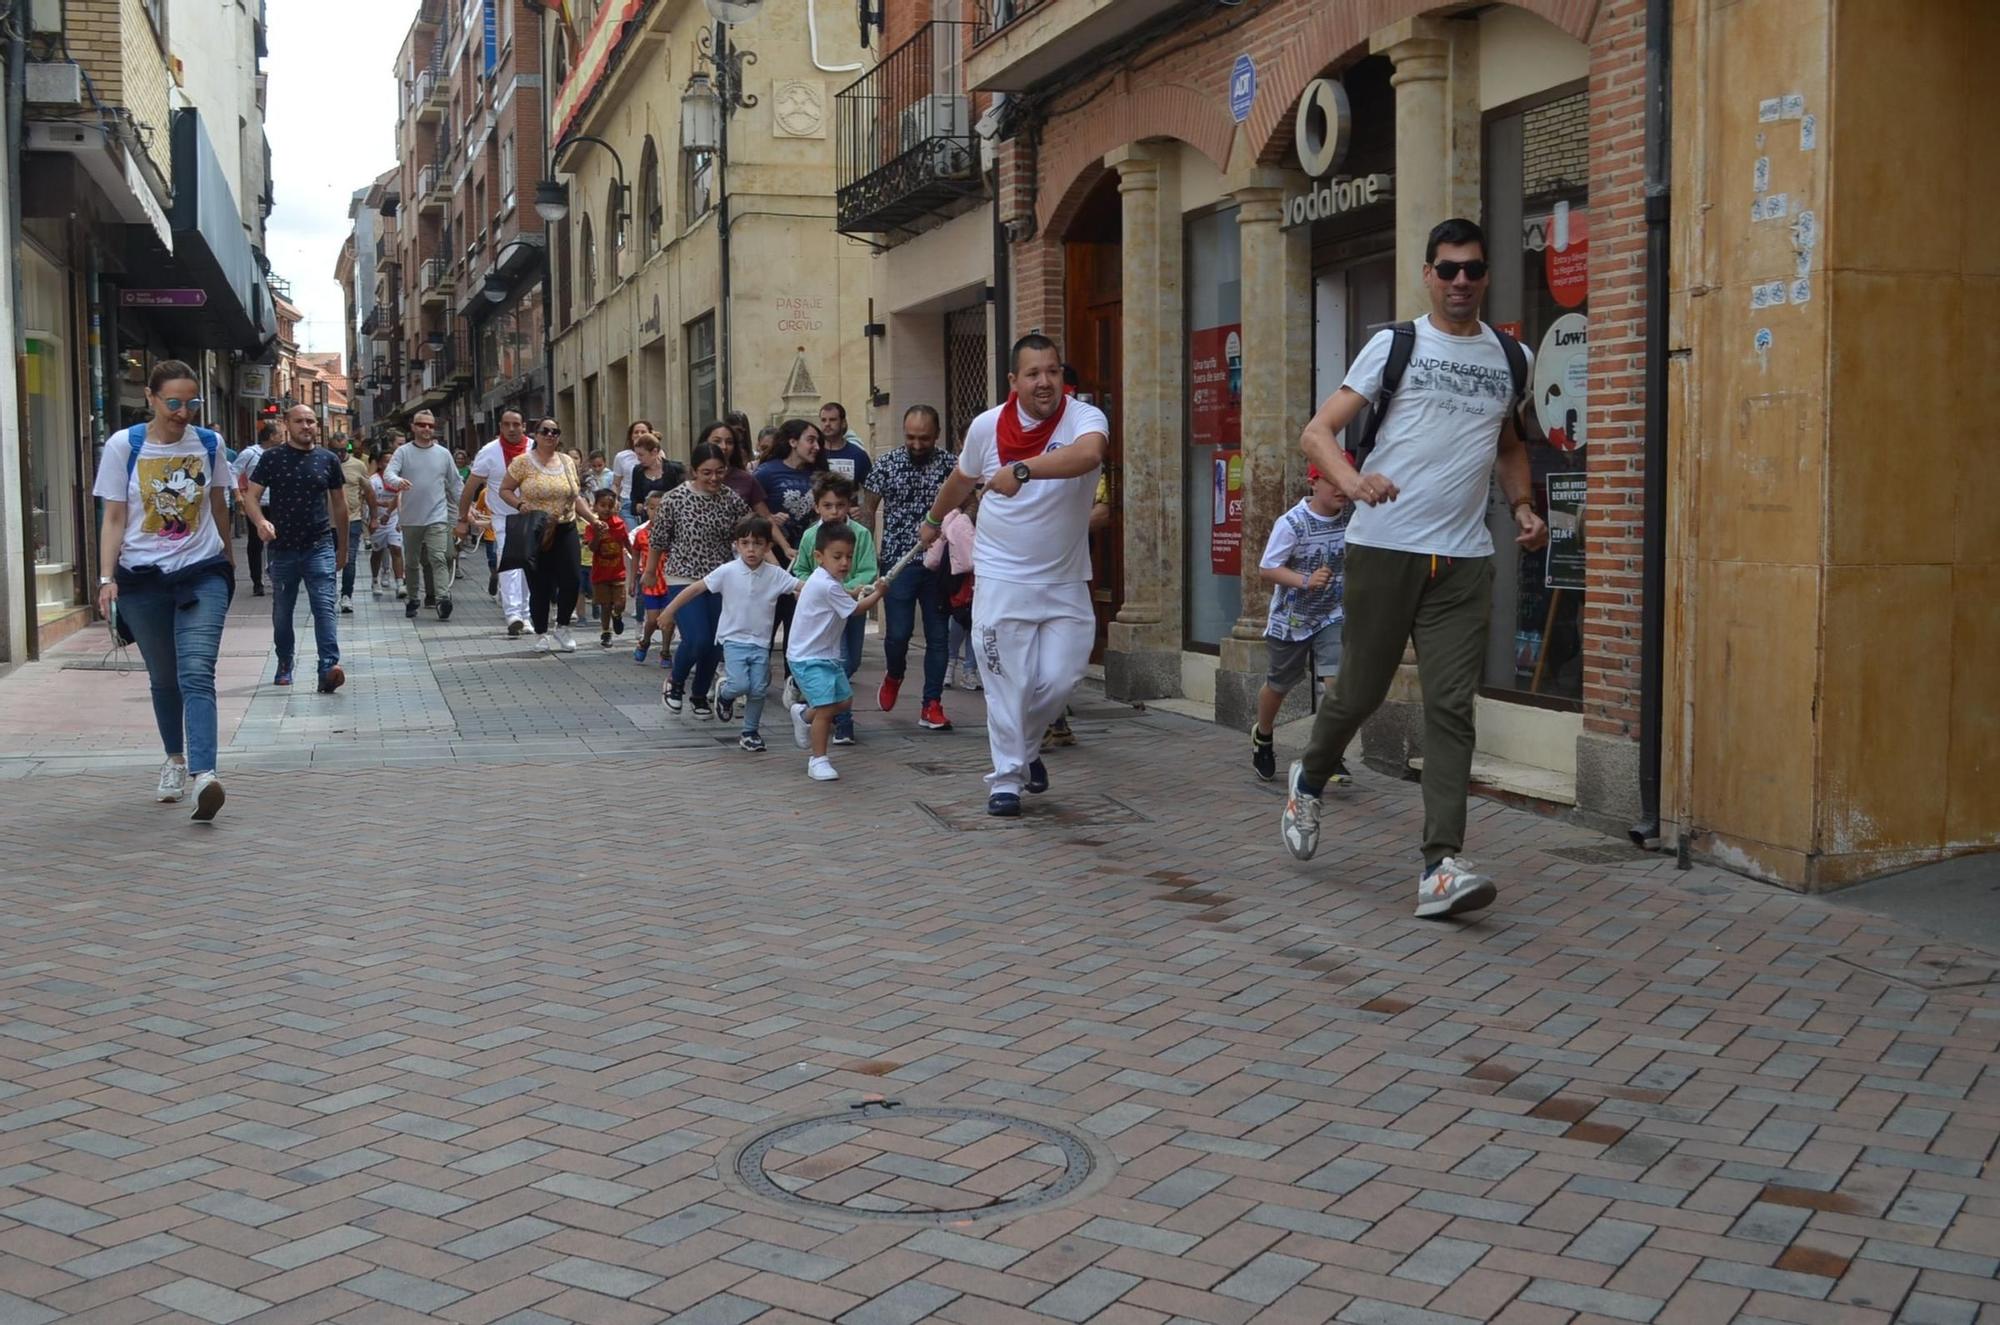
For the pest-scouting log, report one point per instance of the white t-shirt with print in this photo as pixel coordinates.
(168, 521)
(749, 599)
(821, 619)
(1041, 534)
(491, 465)
(622, 466)
(1438, 441)
(1304, 540)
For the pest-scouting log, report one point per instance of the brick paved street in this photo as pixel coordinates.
(474, 1005)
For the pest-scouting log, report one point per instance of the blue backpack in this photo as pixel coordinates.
(211, 441)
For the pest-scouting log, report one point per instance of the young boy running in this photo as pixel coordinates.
(607, 567)
(819, 667)
(654, 593)
(833, 498)
(1303, 558)
(750, 587)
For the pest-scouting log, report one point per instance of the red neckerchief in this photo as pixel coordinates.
(1018, 443)
(512, 453)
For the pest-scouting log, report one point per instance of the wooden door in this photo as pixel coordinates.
(1093, 339)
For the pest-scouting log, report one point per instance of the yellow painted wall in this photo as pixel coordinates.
(1834, 703)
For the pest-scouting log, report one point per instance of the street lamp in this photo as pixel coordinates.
(706, 105)
(552, 199)
(496, 286)
(701, 116)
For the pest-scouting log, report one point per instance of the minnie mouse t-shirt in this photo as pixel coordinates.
(168, 523)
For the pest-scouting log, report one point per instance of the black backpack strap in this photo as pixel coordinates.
(1517, 369)
(1402, 344)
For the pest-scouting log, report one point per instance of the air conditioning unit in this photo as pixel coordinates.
(55, 83)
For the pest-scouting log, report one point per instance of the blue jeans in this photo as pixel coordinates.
(179, 645)
(356, 540)
(916, 590)
(315, 567)
(852, 640)
(697, 651)
(746, 674)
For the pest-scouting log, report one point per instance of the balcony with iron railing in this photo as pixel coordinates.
(434, 281)
(1022, 44)
(432, 190)
(904, 146)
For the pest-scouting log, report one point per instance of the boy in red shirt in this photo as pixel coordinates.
(607, 567)
(653, 596)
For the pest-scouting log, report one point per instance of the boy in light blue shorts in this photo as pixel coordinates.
(750, 587)
(815, 651)
(1305, 560)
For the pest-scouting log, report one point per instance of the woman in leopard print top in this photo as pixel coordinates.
(692, 532)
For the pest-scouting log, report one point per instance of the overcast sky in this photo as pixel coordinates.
(331, 117)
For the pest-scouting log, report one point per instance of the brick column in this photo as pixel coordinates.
(1142, 653)
(1421, 52)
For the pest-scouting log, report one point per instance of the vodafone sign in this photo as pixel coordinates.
(1321, 132)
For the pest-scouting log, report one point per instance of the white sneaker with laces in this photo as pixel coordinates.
(564, 640)
(1300, 824)
(801, 728)
(545, 642)
(173, 782)
(207, 797)
(820, 769)
(1453, 888)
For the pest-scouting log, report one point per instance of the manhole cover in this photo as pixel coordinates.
(917, 1164)
(1066, 810)
(1930, 966)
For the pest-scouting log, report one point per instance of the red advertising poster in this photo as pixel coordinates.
(1568, 267)
(1225, 535)
(1215, 386)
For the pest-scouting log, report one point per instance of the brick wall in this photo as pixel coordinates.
(1178, 89)
(115, 43)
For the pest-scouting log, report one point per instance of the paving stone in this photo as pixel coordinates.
(404, 1290)
(581, 1187)
(1441, 1261)
(597, 1277)
(784, 1260)
(957, 1247)
(315, 1247)
(905, 1304)
(1597, 1301)
(1083, 1295)
(1143, 1236)
(139, 1251)
(1266, 1279)
(240, 1209)
(722, 1309)
(206, 1301)
(46, 1212)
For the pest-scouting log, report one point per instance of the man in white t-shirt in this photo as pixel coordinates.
(489, 471)
(1419, 556)
(1032, 621)
(244, 466)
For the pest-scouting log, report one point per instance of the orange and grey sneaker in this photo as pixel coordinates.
(1452, 887)
(1300, 824)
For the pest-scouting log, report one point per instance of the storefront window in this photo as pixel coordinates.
(46, 385)
(701, 372)
(1537, 164)
(1213, 484)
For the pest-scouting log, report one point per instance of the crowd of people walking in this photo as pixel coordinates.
(800, 531)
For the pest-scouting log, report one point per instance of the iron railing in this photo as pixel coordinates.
(904, 141)
(432, 274)
(994, 15)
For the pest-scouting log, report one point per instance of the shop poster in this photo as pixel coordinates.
(1562, 363)
(1225, 535)
(1566, 501)
(1215, 386)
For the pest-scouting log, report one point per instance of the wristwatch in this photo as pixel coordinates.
(1021, 474)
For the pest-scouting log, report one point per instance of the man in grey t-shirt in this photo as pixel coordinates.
(426, 479)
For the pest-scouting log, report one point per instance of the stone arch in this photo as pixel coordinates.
(1335, 30)
(1165, 110)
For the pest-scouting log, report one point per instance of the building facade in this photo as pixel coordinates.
(144, 184)
(717, 280)
(457, 324)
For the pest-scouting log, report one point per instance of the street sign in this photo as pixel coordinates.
(1242, 88)
(162, 298)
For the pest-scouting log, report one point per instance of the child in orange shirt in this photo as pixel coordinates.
(607, 567)
(655, 594)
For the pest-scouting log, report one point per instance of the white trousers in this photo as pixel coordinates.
(1033, 643)
(513, 583)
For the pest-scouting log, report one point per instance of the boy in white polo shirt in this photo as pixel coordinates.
(815, 650)
(751, 586)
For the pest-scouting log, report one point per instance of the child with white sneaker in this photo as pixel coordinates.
(815, 653)
(750, 586)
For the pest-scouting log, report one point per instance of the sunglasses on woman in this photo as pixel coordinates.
(548, 432)
(176, 405)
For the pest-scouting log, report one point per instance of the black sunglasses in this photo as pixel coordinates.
(1447, 270)
(548, 432)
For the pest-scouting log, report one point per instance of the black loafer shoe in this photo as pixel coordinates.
(1038, 777)
(1004, 805)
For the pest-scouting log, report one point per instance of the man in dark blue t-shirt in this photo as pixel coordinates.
(298, 507)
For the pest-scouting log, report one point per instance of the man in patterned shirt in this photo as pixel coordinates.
(903, 484)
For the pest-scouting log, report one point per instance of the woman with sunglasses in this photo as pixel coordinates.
(691, 533)
(736, 447)
(168, 574)
(544, 479)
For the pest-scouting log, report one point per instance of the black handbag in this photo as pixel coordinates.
(523, 541)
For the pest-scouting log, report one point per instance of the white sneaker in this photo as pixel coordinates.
(1453, 888)
(207, 797)
(1300, 824)
(173, 782)
(971, 677)
(564, 640)
(402, 591)
(801, 729)
(545, 642)
(820, 769)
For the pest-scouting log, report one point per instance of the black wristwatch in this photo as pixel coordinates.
(1021, 474)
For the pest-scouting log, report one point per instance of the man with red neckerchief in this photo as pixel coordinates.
(489, 469)
(1032, 621)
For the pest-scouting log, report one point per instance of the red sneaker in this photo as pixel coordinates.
(892, 686)
(933, 718)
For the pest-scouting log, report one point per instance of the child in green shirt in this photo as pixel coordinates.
(833, 498)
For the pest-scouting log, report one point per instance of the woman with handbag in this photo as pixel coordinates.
(543, 485)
